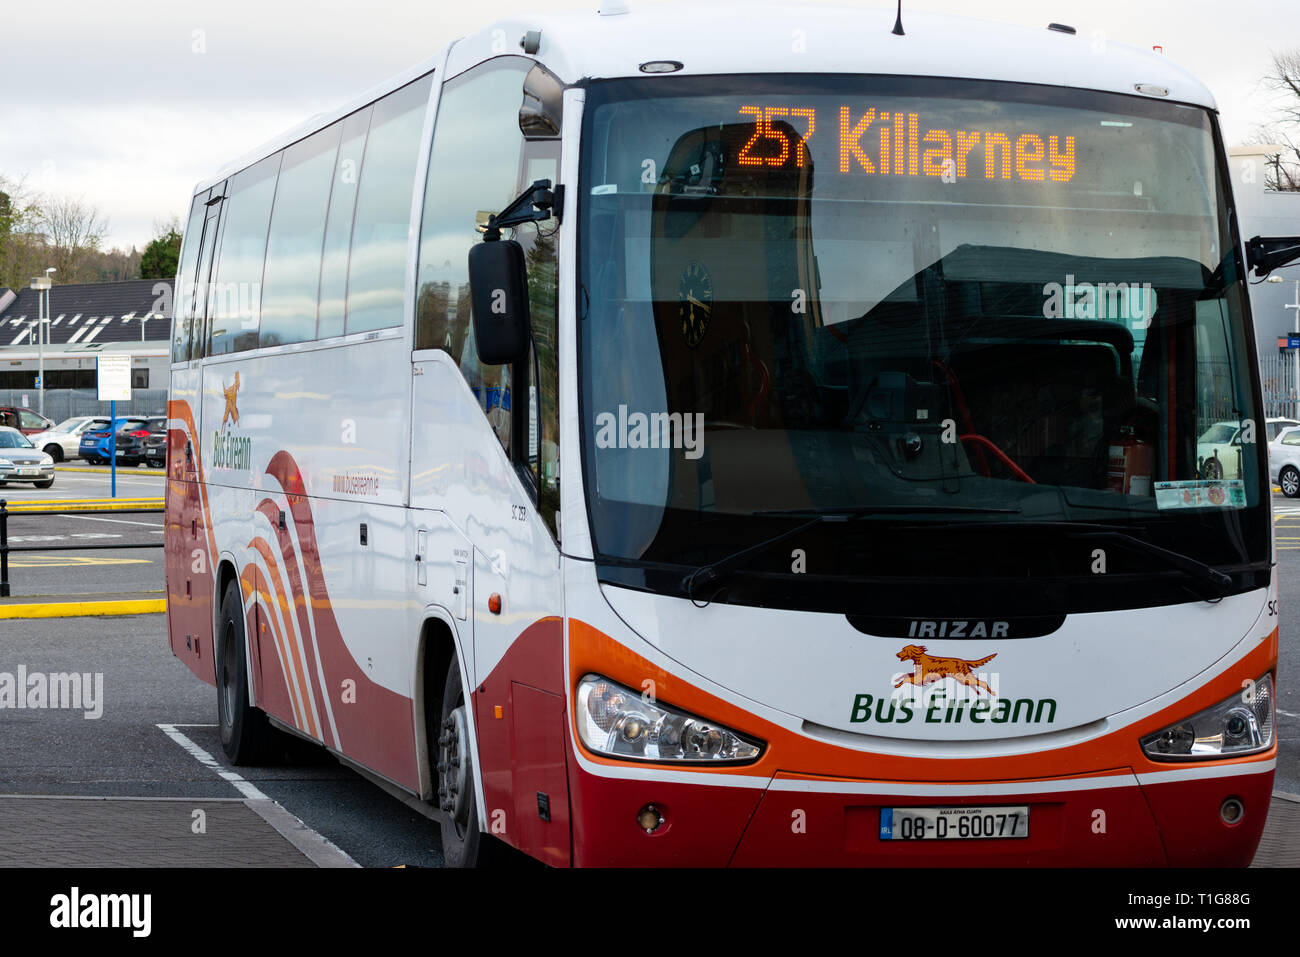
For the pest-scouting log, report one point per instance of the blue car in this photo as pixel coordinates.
(94, 441)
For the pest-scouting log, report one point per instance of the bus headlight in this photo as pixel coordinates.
(617, 721)
(1243, 724)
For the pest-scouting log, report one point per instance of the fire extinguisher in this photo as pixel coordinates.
(1128, 465)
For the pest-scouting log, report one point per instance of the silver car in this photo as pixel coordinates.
(1284, 461)
(64, 440)
(20, 461)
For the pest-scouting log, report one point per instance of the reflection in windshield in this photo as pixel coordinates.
(1219, 433)
(884, 298)
(14, 440)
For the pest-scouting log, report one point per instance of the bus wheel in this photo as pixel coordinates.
(1289, 481)
(463, 844)
(244, 729)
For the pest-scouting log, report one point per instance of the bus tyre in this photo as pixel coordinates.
(244, 729)
(463, 844)
(1289, 480)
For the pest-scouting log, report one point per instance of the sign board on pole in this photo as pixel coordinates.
(1293, 342)
(113, 375)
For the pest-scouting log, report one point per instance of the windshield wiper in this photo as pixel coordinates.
(862, 511)
(715, 572)
(1214, 580)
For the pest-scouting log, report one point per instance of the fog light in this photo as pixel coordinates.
(1232, 811)
(649, 819)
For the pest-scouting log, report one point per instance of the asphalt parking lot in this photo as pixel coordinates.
(153, 754)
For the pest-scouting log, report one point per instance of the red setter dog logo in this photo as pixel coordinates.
(930, 668)
(231, 392)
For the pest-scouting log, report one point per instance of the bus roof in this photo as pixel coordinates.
(726, 36)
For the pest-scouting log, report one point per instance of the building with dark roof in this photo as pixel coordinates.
(87, 320)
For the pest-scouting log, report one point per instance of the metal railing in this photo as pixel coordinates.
(63, 404)
(6, 548)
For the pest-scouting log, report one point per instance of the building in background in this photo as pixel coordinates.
(87, 320)
(1265, 212)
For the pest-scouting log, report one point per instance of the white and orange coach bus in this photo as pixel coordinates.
(739, 434)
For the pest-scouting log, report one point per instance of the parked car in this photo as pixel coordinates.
(1216, 450)
(1274, 427)
(24, 420)
(155, 447)
(94, 441)
(131, 440)
(63, 441)
(1284, 461)
(20, 461)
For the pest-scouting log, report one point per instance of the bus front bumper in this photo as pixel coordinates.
(1111, 818)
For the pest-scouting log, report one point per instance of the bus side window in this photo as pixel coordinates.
(200, 321)
(474, 167)
(541, 160)
(338, 225)
(382, 222)
(183, 294)
(293, 249)
(234, 297)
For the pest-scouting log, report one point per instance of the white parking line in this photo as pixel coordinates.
(119, 521)
(207, 760)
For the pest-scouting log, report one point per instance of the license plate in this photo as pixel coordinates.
(953, 823)
(120, 452)
(29, 471)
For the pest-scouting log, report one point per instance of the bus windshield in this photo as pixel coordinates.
(927, 303)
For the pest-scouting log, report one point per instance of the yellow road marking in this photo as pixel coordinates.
(76, 609)
(70, 561)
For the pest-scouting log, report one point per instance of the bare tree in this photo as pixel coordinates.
(73, 230)
(1283, 78)
(19, 239)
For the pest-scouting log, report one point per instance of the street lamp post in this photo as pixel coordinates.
(42, 286)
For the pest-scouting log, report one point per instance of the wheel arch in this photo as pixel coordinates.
(438, 645)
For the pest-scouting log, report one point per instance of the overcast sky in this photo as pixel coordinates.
(115, 103)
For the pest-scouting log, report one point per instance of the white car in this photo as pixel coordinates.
(1284, 461)
(1273, 427)
(64, 440)
(1216, 451)
(20, 461)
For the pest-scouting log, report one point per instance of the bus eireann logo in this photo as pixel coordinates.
(930, 668)
(232, 405)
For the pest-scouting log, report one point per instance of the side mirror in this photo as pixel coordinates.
(1266, 253)
(498, 288)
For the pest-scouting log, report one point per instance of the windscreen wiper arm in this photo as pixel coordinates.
(715, 572)
(1216, 581)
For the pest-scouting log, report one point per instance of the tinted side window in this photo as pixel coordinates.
(293, 247)
(381, 225)
(183, 293)
(233, 307)
(338, 227)
(473, 167)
